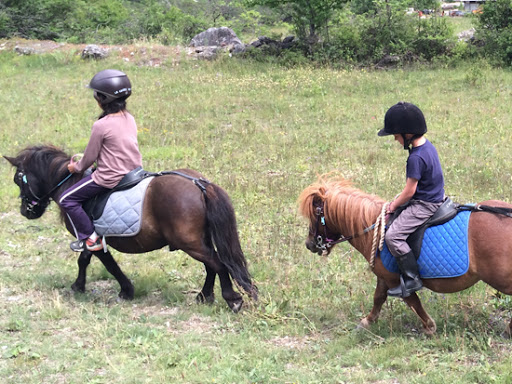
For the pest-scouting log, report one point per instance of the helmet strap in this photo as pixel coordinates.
(408, 142)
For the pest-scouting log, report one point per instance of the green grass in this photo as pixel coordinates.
(462, 23)
(263, 133)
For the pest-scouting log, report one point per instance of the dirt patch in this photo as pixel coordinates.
(144, 54)
(153, 310)
(290, 342)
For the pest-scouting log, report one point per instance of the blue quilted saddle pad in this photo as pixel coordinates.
(444, 251)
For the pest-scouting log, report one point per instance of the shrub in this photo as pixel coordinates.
(494, 31)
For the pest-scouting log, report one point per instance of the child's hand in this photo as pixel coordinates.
(74, 159)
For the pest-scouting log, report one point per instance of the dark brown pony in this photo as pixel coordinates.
(347, 212)
(197, 218)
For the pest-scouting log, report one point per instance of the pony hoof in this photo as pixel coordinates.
(236, 305)
(202, 299)
(78, 288)
(127, 294)
(430, 329)
(363, 324)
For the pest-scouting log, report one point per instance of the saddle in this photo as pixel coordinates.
(95, 206)
(447, 211)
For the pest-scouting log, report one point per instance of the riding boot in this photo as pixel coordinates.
(409, 276)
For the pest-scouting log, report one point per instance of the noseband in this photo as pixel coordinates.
(322, 241)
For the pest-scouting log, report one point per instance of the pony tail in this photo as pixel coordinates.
(221, 221)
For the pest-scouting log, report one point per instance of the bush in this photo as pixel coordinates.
(494, 31)
(368, 38)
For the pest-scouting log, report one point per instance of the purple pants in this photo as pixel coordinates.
(71, 202)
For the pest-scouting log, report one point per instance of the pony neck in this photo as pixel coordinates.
(350, 213)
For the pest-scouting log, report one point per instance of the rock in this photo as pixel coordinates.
(20, 50)
(207, 44)
(467, 35)
(207, 52)
(388, 61)
(267, 42)
(93, 51)
(221, 37)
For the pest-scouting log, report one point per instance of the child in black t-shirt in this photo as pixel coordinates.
(423, 192)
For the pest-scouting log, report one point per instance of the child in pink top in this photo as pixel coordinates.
(112, 146)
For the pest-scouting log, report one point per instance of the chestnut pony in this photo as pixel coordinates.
(187, 213)
(348, 214)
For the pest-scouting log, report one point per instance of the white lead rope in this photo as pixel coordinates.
(379, 232)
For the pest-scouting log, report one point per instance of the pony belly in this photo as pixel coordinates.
(444, 250)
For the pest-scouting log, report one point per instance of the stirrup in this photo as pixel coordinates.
(402, 290)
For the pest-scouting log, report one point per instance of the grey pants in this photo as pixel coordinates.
(406, 223)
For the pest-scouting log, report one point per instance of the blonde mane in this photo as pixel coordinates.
(348, 210)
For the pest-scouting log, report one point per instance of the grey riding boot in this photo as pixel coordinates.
(409, 276)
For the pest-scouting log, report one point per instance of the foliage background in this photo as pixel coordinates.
(330, 32)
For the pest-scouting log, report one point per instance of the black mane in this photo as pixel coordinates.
(46, 167)
(46, 161)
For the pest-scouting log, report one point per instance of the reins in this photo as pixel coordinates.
(379, 226)
(380, 230)
(32, 203)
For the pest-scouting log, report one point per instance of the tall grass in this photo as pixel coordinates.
(263, 133)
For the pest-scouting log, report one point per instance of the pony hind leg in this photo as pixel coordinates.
(234, 299)
(215, 267)
(127, 291)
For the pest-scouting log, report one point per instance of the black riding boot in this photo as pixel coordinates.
(409, 277)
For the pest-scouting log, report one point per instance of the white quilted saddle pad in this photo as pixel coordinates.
(122, 215)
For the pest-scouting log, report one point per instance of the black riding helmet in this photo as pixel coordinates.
(403, 118)
(109, 85)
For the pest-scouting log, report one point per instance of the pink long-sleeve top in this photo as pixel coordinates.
(113, 146)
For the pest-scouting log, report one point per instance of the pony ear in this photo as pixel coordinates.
(12, 160)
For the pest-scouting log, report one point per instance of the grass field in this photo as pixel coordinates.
(263, 133)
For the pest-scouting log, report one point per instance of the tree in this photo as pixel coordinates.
(309, 17)
(494, 30)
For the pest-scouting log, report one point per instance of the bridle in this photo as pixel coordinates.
(322, 241)
(32, 203)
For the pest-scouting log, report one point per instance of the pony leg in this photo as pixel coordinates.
(429, 325)
(207, 294)
(507, 333)
(212, 263)
(379, 298)
(83, 262)
(127, 290)
(233, 298)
